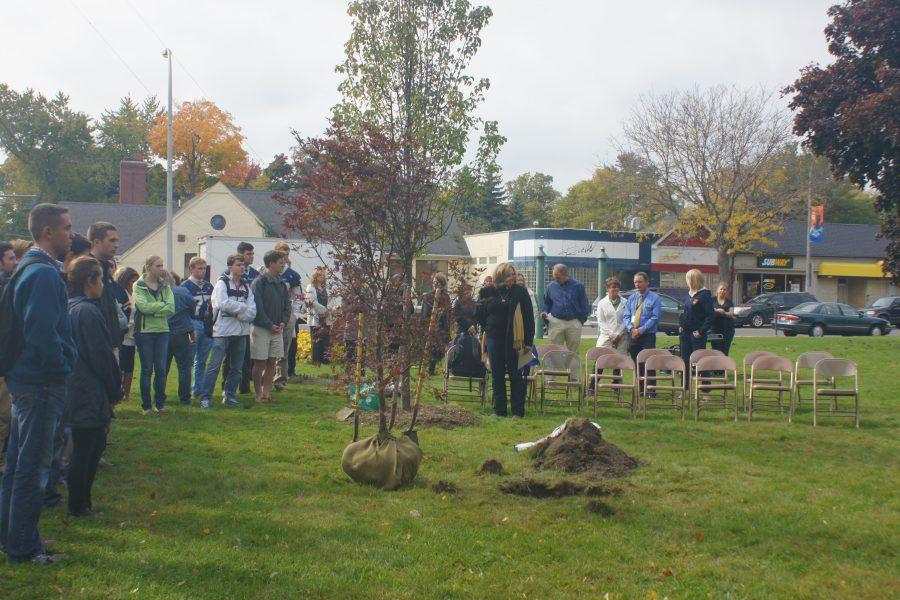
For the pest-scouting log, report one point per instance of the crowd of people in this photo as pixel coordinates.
(72, 324)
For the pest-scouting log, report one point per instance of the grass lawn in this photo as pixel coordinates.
(252, 503)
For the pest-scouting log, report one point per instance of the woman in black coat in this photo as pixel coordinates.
(696, 319)
(94, 386)
(505, 338)
(724, 323)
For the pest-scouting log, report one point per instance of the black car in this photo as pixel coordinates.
(887, 308)
(828, 318)
(761, 309)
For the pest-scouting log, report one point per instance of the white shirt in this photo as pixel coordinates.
(234, 316)
(609, 322)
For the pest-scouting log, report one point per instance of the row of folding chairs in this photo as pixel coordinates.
(768, 382)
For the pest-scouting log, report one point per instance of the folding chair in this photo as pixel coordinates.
(561, 369)
(640, 361)
(615, 383)
(761, 383)
(531, 380)
(545, 348)
(832, 368)
(695, 356)
(463, 384)
(745, 372)
(658, 363)
(716, 363)
(808, 360)
(590, 358)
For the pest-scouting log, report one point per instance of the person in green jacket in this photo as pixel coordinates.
(154, 303)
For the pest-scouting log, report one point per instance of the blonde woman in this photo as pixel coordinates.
(505, 312)
(318, 316)
(697, 318)
(154, 303)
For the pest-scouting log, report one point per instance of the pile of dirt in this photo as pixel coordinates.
(444, 487)
(443, 416)
(580, 449)
(560, 489)
(491, 467)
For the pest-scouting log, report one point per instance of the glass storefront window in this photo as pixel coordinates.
(754, 284)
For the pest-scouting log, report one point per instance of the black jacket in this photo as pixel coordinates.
(273, 301)
(464, 313)
(442, 322)
(698, 313)
(108, 305)
(518, 296)
(95, 385)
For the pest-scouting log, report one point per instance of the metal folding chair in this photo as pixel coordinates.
(589, 359)
(676, 391)
(460, 385)
(719, 384)
(833, 368)
(760, 382)
(640, 365)
(745, 372)
(808, 360)
(561, 369)
(615, 383)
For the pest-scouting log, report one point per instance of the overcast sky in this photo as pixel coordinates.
(564, 75)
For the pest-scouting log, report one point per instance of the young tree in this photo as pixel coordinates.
(406, 76)
(206, 143)
(713, 151)
(280, 174)
(849, 111)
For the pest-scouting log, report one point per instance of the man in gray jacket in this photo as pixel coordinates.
(273, 313)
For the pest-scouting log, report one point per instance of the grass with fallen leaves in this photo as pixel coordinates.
(252, 503)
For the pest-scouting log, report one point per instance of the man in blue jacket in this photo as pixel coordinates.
(37, 381)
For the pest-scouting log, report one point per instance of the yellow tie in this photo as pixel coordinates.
(637, 312)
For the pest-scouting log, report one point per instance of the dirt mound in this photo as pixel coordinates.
(491, 467)
(560, 489)
(444, 487)
(581, 449)
(443, 416)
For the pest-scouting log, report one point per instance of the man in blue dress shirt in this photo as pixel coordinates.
(641, 316)
(566, 307)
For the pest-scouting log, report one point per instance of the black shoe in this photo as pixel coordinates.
(41, 559)
(105, 464)
(52, 500)
(84, 512)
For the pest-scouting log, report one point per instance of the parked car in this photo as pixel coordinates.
(668, 319)
(887, 308)
(828, 318)
(761, 309)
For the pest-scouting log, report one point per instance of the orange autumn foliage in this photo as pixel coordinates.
(206, 143)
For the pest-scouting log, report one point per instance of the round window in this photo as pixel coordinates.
(217, 222)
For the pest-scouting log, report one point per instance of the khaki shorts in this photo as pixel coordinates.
(265, 345)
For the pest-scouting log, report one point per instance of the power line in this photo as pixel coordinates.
(110, 46)
(181, 64)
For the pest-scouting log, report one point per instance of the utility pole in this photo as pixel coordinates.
(808, 286)
(169, 246)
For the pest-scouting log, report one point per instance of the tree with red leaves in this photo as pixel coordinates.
(849, 111)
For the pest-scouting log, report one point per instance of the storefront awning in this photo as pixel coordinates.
(843, 269)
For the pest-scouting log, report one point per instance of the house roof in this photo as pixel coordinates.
(134, 221)
(848, 240)
(266, 206)
(452, 243)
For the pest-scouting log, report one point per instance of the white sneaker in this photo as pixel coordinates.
(204, 404)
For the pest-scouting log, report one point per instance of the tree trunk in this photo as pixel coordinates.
(405, 350)
(723, 259)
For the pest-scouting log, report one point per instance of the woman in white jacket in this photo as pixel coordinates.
(233, 312)
(318, 316)
(609, 318)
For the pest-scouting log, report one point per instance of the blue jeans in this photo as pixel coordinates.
(234, 346)
(153, 348)
(36, 413)
(182, 350)
(202, 346)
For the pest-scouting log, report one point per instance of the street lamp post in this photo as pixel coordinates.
(540, 273)
(601, 271)
(169, 243)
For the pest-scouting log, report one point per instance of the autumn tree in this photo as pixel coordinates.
(206, 143)
(849, 111)
(712, 150)
(242, 174)
(531, 198)
(406, 74)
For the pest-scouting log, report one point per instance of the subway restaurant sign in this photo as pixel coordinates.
(774, 262)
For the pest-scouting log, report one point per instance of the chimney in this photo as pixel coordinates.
(133, 180)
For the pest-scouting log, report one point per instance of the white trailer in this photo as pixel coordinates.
(215, 250)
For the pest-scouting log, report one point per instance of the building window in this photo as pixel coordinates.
(217, 222)
(482, 260)
(492, 260)
(668, 280)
